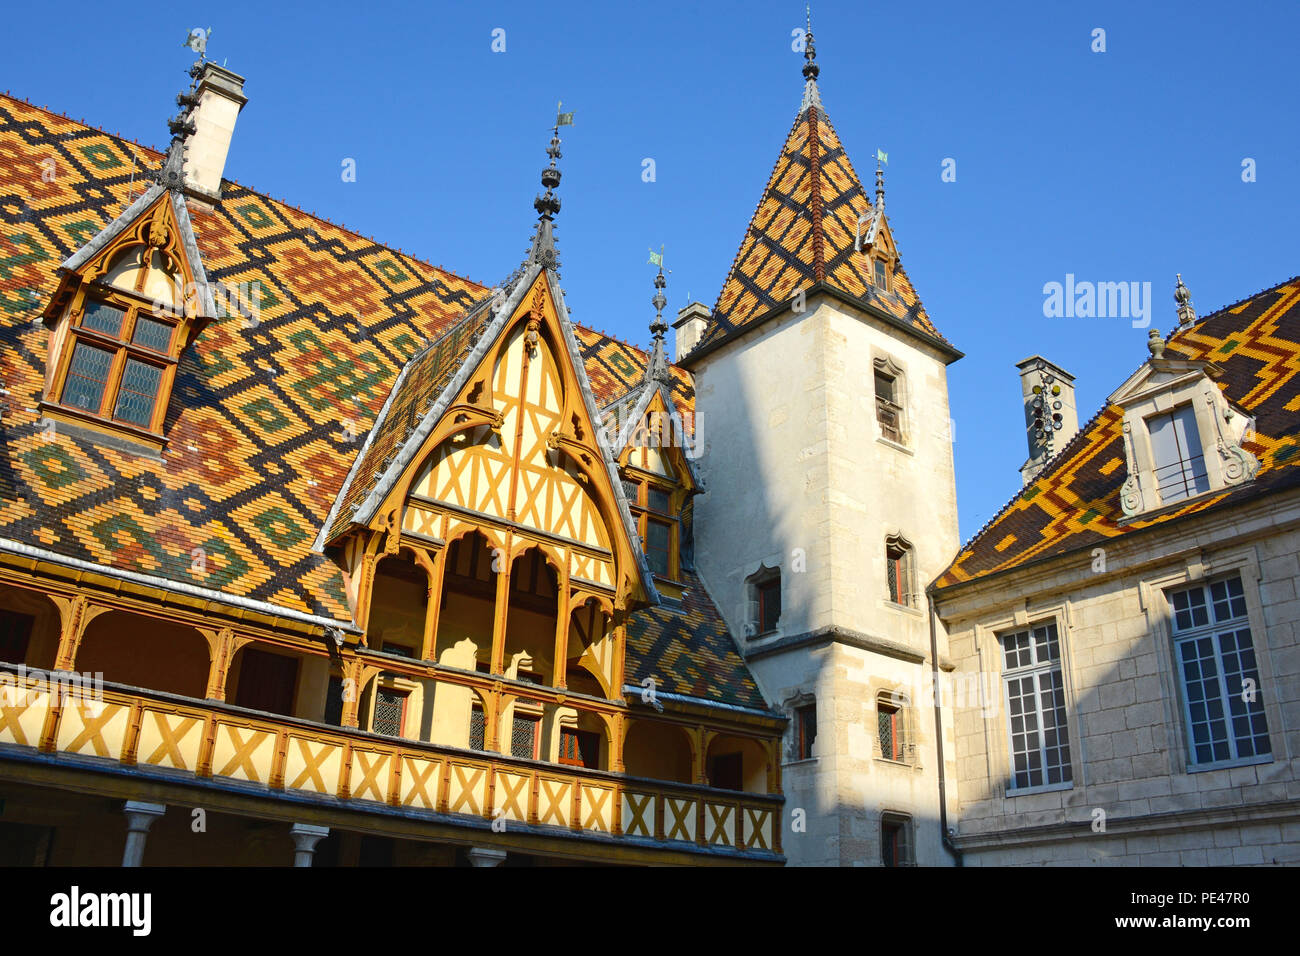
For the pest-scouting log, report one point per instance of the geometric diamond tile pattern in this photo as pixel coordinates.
(265, 419)
(1075, 502)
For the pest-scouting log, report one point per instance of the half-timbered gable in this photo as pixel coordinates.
(369, 547)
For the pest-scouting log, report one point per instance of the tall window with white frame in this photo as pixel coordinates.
(1222, 701)
(1035, 695)
(1179, 457)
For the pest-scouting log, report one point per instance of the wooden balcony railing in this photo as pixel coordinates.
(215, 741)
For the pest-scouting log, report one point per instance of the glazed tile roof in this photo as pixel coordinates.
(689, 651)
(1074, 503)
(265, 421)
(804, 231)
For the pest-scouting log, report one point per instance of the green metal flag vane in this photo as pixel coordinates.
(562, 119)
(657, 258)
(882, 157)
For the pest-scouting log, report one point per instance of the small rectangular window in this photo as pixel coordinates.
(1035, 695)
(898, 573)
(87, 374)
(477, 729)
(889, 413)
(524, 736)
(1178, 454)
(896, 840)
(805, 723)
(769, 604)
(390, 712)
(1223, 704)
(580, 748)
(889, 727)
(882, 276)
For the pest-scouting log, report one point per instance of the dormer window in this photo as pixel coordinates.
(1177, 455)
(126, 307)
(882, 276)
(1182, 437)
(119, 353)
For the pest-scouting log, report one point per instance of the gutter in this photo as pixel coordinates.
(944, 835)
(176, 587)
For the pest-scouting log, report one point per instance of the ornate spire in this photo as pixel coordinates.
(547, 205)
(658, 368)
(810, 69)
(172, 172)
(1186, 313)
(880, 188)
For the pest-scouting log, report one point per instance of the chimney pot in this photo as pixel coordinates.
(221, 96)
(690, 325)
(1055, 396)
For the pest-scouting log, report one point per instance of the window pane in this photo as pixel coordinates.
(884, 386)
(1179, 459)
(657, 543)
(477, 730)
(103, 317)
(86, 376)
(390, 707)
(523, 737)
(152, 334)
(657, 500)
(135, 399)
(881, 277)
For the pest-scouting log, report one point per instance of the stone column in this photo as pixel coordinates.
(482, 856)
(139, 818)
(305, 837)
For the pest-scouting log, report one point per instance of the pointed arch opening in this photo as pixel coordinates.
(531, 616)
(467, 608)
(589, 664)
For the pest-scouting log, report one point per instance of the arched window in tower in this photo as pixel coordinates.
(900, 571)
(889, 400)
(764, 587)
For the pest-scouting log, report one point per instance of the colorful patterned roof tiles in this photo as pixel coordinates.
(266, 416)
(805, 230)
(1074, 503)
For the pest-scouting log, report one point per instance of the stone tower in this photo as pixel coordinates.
(829, 502)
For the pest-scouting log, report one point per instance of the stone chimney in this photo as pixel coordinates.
(220, 98)
(690, 325)
(1051, 418)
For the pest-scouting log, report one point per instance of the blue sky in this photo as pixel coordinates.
(1117, 166)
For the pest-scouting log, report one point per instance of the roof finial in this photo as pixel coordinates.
(880, 185)
(548, 204)
(172, 172)
(810, 69)
(1186, 313)
(658, 358)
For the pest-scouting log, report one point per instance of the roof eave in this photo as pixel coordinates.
(949, 352)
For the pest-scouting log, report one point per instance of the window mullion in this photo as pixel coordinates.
(1216, 641)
